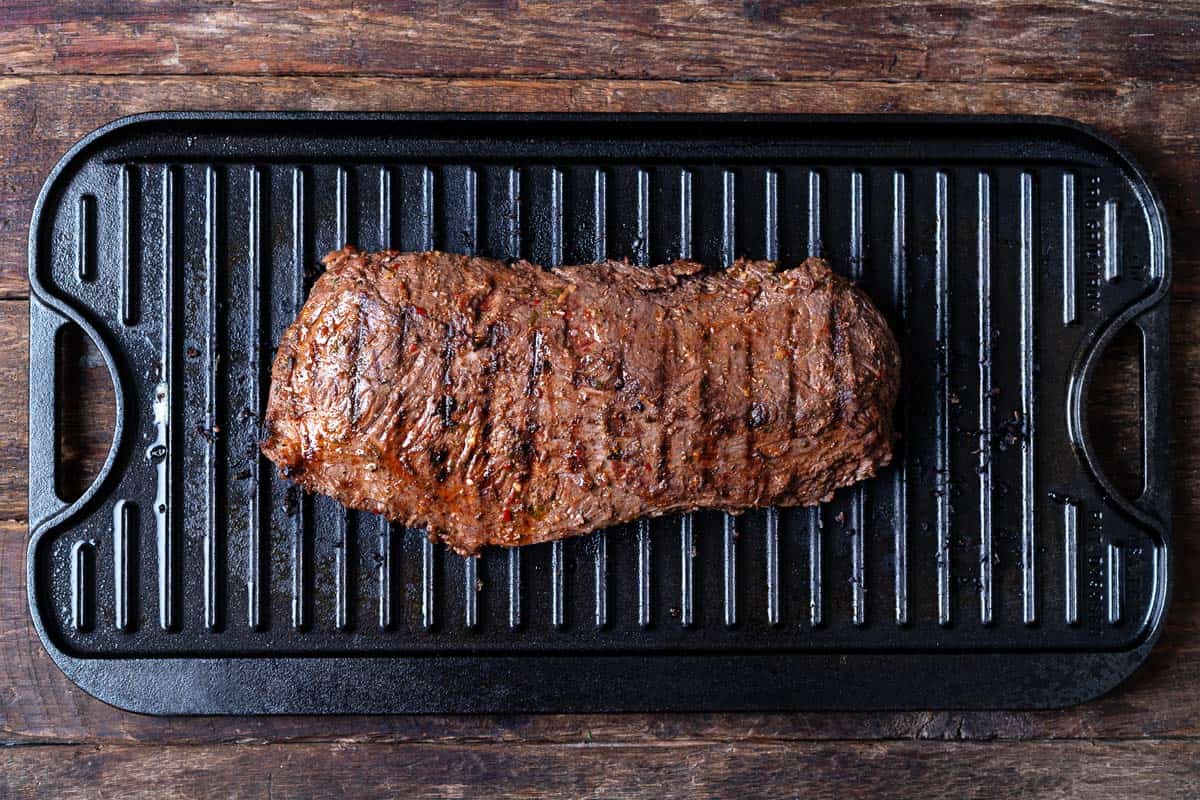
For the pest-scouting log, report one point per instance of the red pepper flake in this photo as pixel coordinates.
(506, 514)
(413, 348)
(420, 312)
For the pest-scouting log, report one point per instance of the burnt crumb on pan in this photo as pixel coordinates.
(207, 433)
(291, 501)
(1011, 432)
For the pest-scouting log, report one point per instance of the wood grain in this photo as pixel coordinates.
(750, 40)
(40, 118)
(836, 770)
(14, 377)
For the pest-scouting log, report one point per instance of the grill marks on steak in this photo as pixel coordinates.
(507, 404)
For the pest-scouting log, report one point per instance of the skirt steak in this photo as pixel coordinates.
(507, 404)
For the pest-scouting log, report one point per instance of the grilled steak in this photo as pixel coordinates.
(508, 404)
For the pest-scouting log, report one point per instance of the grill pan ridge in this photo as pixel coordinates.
(993, 565)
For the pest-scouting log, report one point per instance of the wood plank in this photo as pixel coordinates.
(40, 118)
(14, 377)
(753, 40)
(1097, 770)
(41, 705)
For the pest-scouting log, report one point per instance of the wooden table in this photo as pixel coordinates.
(1132, 69)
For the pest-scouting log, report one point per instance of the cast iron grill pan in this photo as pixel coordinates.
(992, 566)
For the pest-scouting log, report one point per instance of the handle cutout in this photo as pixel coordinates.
(85, 405)
(1115, 404)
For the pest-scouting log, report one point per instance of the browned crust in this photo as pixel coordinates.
(498, 404)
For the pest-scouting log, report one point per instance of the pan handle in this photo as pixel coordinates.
(1152, 506)
(47, 317)
(44, 327)
(1154, 323)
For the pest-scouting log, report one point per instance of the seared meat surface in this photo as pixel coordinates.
(509, 404)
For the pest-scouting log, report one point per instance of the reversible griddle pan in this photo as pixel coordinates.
(994, 565)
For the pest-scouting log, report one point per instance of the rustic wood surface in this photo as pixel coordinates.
(830, 770)
(1130, 68)
(681, 39)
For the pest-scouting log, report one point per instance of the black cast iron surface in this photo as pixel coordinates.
(992, 566)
